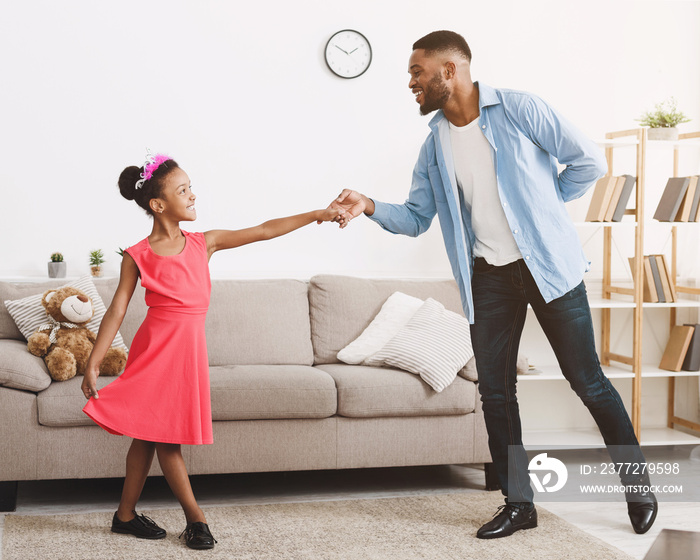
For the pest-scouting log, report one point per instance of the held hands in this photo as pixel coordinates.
(351, 204)
(330, 214)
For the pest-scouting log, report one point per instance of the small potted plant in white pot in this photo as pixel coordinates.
(57, 268)
(97, 259)
(662, 121)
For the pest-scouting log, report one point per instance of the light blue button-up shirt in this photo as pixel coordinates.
(528, 138)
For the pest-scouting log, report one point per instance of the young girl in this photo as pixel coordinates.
(162, 399)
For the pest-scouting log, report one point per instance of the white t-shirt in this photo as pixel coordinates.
(476, 179)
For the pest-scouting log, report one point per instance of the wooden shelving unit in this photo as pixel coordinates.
(615, 296)
(674, 420)
(638, 139)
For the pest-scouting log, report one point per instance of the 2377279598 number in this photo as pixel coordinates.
(639, 468)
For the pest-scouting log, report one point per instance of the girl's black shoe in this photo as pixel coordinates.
(198, 536)
(140, 526)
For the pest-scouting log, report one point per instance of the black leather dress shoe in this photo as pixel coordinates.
(508, 519)
(642, 508)
(140, 526)
(198, 536)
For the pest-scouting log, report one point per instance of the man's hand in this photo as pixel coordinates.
(351, 204)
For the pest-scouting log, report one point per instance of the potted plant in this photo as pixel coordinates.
(57, 268)
(97, 258)
(662, 121)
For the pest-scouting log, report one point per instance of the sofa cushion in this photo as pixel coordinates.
(265, 392)
(370, 392)
(342, 307)
(396, 311)
(21, 370)
(61, 404)
(237, 393)
(435, 344)
(259, 322)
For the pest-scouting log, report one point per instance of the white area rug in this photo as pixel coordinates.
(440, 527)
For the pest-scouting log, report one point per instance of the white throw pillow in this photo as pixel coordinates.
(435, 344)
(29, 314)
(394, 314)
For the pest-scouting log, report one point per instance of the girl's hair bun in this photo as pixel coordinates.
(151, 186)
(127, 181)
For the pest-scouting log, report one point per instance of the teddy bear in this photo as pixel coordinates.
(64, 342)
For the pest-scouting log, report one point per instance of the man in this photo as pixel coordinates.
(488, 169)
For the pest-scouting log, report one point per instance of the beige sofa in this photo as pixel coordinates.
(281, 401)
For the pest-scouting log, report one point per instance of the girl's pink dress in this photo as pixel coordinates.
(163, 394)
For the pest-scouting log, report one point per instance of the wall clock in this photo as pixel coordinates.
(348, 53)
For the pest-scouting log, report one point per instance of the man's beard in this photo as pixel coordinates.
(435, 95)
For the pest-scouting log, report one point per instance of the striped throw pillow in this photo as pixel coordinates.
(28, 313)
(394, 314)
(435, 344)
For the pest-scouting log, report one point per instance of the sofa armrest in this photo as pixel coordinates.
(469, 371)
(21, 370)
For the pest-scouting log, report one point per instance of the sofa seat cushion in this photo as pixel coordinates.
(61, 404)
(265, 392)
(372, 392)
(237, 393)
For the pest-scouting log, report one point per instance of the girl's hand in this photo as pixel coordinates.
(328, 215)
(89, 386)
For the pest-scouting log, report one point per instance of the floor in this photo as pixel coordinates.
(607, 521)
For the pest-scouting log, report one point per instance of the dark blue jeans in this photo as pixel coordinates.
(501, 295)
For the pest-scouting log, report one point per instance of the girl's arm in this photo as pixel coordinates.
(220, 239)
(110, 324)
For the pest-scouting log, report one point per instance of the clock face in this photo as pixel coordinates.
(348, 54)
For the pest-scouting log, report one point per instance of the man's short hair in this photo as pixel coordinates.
(443, 41)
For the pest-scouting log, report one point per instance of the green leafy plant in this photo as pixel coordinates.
(56, 257)
(664, 115)
(97, 257)
(120, 252)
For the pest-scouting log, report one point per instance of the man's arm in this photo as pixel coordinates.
(584, 161)
(411, 218)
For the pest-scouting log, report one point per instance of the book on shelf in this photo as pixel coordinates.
(658, 286)
(683, 214)
(666, 279)
(692, 356)
(614, 198)
(677, 347)
(620, 205)
(648, 284)
(671, 199)
(693, 217)
(602, 193)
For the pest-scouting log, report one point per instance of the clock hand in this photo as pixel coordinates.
(337, 47)
(353, 50)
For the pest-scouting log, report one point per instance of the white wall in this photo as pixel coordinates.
(239, 94)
